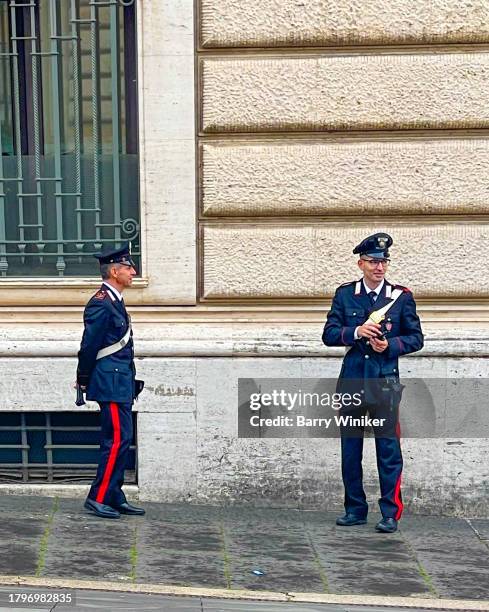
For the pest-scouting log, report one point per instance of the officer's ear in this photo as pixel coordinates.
(113, 271)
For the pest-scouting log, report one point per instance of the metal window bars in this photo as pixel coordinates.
(32, 451)
(68, 134)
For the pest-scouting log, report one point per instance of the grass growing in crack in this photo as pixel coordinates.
(133, 555)
(427, 578)
(317, 561)
(43, 545)
(226, 559)
(421, 569)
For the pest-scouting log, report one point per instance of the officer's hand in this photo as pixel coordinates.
(368, 330)
(379, 346)
(76, 385)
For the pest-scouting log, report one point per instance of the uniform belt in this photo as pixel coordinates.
(113, 348)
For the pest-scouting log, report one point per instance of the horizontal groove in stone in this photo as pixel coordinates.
(233, 139)
(314, 178)
(255, 23)
(309, 261)
(382, 92)
(342, 51)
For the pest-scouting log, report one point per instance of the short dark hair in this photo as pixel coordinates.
(105, 270)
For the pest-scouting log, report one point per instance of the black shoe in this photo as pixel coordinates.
(386, 525)
(127, 508)
(101, 509)
(350, 519)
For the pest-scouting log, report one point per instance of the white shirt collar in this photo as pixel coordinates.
(117, 294)
(377, 290)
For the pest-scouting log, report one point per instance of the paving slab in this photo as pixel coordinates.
(451, 553)
(184, 513)
(31, 504)
(183, 548)
(82, 545)
(275, 542)
(21, 531)
(358, 560)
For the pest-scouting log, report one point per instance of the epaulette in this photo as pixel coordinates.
(402, 288)
(345, 285)
(100, 295)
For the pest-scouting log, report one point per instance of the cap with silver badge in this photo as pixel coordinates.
(376, 246)
(120, 255)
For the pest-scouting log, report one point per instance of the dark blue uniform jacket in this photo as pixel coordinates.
(110, 379)
(348, 311)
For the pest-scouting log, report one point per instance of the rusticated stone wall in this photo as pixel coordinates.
(403, 177)
(359, 92)
(319, 125)
(311, 260)
(256, 23)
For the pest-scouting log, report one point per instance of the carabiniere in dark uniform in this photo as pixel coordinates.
(107, 374)
(377, 322)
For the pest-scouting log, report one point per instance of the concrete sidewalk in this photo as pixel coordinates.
(218, 548)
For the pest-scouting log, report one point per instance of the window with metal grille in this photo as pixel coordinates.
(68, 134)
(58, 447)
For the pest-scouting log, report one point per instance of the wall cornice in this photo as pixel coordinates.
(210, 331)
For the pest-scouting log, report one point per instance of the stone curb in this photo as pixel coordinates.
(160, 589)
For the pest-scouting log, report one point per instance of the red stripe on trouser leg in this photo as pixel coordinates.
(109, 468)
(397, 499)
(397, 489)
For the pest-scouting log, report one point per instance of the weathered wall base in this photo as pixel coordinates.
(189, 450)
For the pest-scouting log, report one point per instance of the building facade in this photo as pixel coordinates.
(245, 147)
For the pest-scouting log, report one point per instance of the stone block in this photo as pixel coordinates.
(169, 196)
(170, 385)
(167, 156)
(305, 260)
(167, 27)
(277, 23)
(350, 92)
(404, 177)
(255, 471)
(167, 456)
